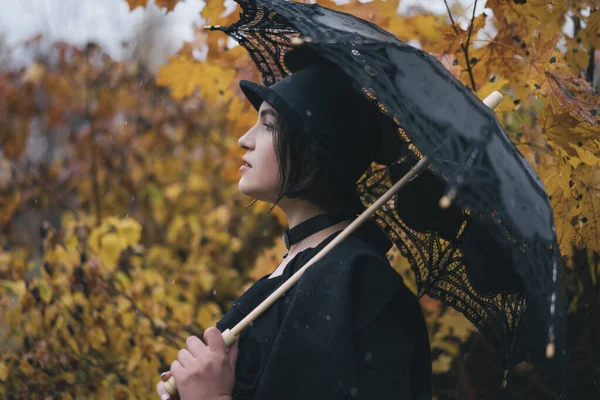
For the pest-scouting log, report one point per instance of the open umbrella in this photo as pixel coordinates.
(476, 224)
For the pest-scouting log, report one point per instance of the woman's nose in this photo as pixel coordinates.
(245, 141)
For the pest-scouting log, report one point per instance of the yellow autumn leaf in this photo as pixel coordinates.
(124, 280)
(130, 231)
(268, 260)
(5, 261)
(173, 191)
(491, 86)
(110, 250)
(70, 340)
(25, 368)
(213, 10)
(45, 291)
(50, 315)
(127, 319)
(8, 206)
(59, 323)
(3, 371)
(168, 4)
(14, 316)
(58, 255)
(197, 183)
(183, 313)
(586, 156)
(419, 27)
(135, 356)
(441, 364)
(136, 3)
(183, 76)
(206, 280)
(69, 377)
(208, 314)
(34, 73)
(17, 288)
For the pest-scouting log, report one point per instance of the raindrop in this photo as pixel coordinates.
(328, 318)
(132, 198)
(353, 392)
(309, 113)
(368, 356)
(214, 292)
(306, 326)
(173, 281)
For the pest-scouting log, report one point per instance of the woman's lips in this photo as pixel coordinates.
(246, 163)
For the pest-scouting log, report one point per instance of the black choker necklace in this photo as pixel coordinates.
(309, 227)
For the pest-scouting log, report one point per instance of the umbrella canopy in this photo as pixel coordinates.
(491, 251)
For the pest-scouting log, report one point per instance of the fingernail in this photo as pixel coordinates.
(165, 397)
(163, 374)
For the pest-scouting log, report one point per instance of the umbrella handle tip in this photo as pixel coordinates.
(447, 199)
(445, 202)
(170, 386)
(550, 350)
(493, 100)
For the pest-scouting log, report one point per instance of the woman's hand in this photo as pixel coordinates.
(203, 371)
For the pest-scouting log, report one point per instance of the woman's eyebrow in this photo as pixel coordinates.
(268, 111)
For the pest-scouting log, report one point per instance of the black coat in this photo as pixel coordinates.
(349, 328)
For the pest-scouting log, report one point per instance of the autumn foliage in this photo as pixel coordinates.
(122, 231)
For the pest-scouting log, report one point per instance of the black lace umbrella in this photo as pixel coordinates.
(490, 252)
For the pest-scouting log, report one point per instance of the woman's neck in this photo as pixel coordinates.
(298, 211)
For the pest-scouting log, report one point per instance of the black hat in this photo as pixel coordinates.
(335, 119)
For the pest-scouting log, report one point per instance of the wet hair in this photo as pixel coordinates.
(304, 174)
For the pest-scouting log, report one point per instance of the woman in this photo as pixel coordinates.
(349, 328)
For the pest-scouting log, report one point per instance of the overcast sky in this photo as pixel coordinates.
(110, 23)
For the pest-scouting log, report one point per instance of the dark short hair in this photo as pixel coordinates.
(303, 173)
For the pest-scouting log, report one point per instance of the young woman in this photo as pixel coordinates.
(350, 328)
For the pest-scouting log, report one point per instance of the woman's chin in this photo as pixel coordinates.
(247, 190)
(253, 192)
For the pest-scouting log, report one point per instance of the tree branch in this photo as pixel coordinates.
(463, 46)
(451, 18)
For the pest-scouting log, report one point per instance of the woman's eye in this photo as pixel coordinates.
(268, 126)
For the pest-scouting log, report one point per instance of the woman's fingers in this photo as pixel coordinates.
(165, 376)
(195, 345)
(214, 339)
(162, 391)
(185, 357)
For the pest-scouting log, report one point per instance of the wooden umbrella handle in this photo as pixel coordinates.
(229, 336)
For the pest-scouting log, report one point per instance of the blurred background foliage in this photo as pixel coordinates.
(122, 231)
